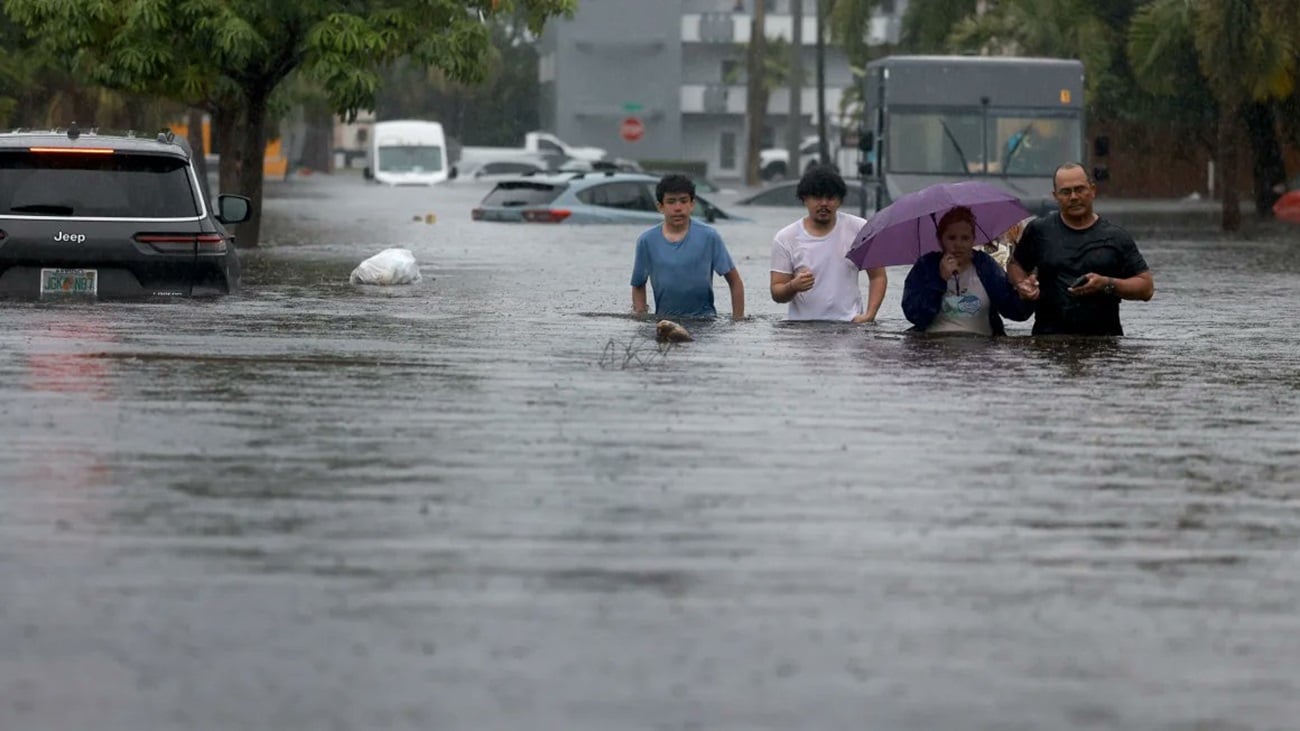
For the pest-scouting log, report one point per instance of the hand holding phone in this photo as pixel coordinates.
(1079, 282)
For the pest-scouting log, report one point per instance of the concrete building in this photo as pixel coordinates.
(677, 67)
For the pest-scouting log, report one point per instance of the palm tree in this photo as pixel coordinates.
(928, 23)
(1244, 53)
(1050, 28)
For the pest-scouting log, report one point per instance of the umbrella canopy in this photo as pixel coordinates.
(902, 231)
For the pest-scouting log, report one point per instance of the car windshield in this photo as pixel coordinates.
(517, 193)
(119, 185)
(410, 159)
(965, 141)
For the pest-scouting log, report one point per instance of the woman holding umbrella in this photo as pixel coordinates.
(958, 289)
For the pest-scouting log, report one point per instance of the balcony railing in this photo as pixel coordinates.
(734, 28)
(730, 99)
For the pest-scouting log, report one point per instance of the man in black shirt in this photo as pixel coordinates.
(1076, 265)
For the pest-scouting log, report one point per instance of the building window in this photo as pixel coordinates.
(727, 151)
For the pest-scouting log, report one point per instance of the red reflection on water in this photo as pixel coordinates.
(73, 426)
(77, 363)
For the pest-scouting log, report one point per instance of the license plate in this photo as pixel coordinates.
(83, 282)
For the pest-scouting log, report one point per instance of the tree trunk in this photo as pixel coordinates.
(1229, 185)
(1269, 171)
(227, 146)
(755, 101)
(194, 135)
(251, 154)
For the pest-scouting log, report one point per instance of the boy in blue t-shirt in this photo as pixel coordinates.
(680, 258)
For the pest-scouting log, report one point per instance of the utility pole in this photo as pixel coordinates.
(823, 151)
(755, 99)
(794, 130)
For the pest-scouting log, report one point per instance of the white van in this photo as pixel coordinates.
(407, 152)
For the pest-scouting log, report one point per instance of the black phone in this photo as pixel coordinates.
(1079, 282)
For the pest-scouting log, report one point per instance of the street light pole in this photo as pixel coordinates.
(794, 129)
(755, 99)
(823, 152)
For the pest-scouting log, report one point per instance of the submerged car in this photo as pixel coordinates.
(786, 195)
(110, 216)
(582, 197)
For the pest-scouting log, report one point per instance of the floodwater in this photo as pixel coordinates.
(487, 501)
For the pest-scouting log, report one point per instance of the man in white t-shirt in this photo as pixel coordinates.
(810, 268)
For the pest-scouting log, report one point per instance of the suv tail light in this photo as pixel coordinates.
(476, 214)
(74, 150)
(184, 243)
(547, 215)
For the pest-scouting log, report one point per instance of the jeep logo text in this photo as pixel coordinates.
(74, 238)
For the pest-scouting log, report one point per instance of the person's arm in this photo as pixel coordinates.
(640, 274)
(784, 286)
(1004, 297)
(639, 305)
(923, 292)
(737, 293)
(1025, 283)
(1022, 267)
(1141, 286)
(877, 282)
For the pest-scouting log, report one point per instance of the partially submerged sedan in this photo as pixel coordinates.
(582, 197)
(110, 216)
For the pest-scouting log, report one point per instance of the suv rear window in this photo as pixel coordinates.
(515, 193)
(628, 196)
(120, 185)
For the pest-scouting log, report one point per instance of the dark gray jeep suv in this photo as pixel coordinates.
(110, 216)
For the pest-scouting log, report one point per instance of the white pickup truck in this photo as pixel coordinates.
(774, 162)
(535, 143)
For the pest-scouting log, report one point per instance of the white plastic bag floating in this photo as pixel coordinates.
(390, 266)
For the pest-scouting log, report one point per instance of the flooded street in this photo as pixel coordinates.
(487, 501)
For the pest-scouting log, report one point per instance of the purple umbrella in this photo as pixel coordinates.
(902, 231)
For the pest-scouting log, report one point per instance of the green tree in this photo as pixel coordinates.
(496, 111)
(849, 26)
(230, 56)
(927, 24)
(1244, 53)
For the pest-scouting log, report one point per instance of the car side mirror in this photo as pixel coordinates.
(710, 213)
(1101, 146)
(1100, 173)
(452, 173)
(233, 208)
(368, 174)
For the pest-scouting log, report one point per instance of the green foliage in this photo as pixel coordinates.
(927, 24)
(498, 110)
(212, 52)
(1241, 57)
(1050, 28)
(230, 56)
(776, 64)
(1161, 49)
(848, 23)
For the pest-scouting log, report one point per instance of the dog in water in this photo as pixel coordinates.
(668, 331)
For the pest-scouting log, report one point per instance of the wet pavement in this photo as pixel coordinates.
(487, 501)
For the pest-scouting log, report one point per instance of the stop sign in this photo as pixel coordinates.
(631, 129)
